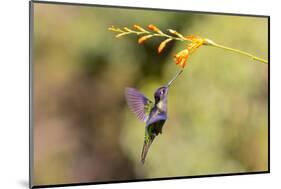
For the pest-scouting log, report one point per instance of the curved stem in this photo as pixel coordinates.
(170, 37)
(240, 52)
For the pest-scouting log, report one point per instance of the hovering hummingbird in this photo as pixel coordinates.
(153, 114)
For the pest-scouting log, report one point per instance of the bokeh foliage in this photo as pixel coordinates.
(83, 129)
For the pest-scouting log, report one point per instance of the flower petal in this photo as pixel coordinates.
(143, 38)
(163, 44)
(181, 58)
(139, 28)
(154, 28)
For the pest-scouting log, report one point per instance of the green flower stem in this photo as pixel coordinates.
(240, 52)
(170, 37)
(129, 31)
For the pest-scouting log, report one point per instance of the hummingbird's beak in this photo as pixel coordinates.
(175, 77)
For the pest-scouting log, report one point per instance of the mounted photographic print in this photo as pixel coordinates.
(120, 94)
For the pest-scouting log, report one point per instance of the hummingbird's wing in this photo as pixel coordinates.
(138, 103)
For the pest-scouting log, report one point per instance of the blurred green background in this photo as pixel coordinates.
(85, 132)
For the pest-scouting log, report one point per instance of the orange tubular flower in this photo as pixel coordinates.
(195, 44)
(154, 28)
(181, 58)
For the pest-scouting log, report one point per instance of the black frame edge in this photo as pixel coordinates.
(152, 179)
(31, 149)
(268, 73)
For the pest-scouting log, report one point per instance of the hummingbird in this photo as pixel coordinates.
(153, 114)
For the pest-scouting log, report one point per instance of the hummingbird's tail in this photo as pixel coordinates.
(145, 148)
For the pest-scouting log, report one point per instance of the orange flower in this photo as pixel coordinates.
(139, 28)
(163, 44)
(196, 42)
(143, 38)
(154, 28)
(181, 57)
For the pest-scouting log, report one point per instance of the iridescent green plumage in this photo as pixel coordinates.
(147, 107)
